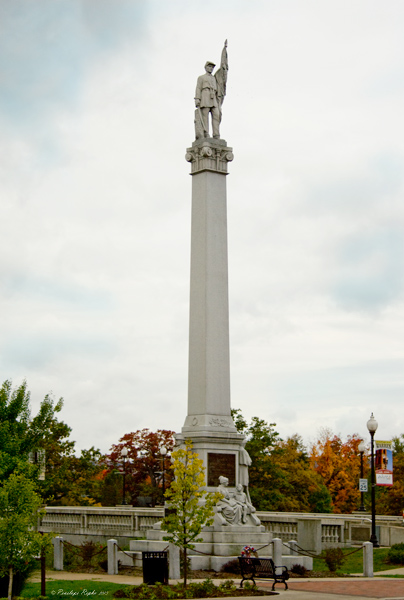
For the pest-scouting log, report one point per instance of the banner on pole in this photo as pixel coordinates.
(384, 463)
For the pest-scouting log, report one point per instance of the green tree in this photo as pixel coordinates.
(19, 542)
(68, 479)
(191, 507)
(262, 439)
(21, 434)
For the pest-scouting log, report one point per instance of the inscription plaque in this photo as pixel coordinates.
(221, 465)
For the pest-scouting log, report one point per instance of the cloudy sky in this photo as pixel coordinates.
(96, 112)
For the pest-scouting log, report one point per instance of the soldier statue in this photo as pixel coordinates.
(209, 96)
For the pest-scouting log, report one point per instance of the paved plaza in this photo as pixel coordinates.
(349, 588)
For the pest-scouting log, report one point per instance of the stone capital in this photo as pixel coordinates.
(209, 154)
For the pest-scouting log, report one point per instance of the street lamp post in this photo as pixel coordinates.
(124, 454)
(372, 426)
(163, 452)
(362, 448)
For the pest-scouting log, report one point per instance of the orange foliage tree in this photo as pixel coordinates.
(144, 462)
(338, 463)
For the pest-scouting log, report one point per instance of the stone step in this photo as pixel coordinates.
(225, 535)
(204, 562)
(147, 545)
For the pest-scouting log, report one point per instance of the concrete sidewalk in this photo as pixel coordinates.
(349, 588)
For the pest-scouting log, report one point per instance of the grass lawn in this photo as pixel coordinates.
(73, 589)
(354, 562)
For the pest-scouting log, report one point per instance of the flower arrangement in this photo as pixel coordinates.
(248, 551)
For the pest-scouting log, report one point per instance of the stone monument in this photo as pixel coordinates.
(208, 423)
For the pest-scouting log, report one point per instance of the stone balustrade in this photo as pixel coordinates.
(78, 523)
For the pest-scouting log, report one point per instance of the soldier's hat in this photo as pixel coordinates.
(209, 62)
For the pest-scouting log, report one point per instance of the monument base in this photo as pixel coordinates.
(218, 547)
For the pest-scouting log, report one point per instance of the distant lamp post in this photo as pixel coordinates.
(372, 427)
(163, 452)
(362, 448)
(124, 454)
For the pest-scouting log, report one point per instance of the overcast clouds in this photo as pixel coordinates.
(96, 111)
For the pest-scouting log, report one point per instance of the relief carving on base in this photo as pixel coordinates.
(219, 422)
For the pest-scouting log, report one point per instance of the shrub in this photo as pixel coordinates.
(86, 556)
(395, 554)
(233, 566)
(227, 586)
(334, 558)
(202, 590)
(299, 570)
(103, 564)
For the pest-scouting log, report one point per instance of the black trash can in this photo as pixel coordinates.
(155, 567)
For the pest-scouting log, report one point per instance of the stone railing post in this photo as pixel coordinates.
(292, 548)
(112, 546)
(173, 562)
(57, 553)
(277, 552)
(368, 559)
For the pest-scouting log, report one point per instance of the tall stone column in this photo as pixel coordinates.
(209, 361)
(208, 423)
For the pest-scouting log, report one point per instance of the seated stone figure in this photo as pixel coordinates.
(228, 509)
(247, 508)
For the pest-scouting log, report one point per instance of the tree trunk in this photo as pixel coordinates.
(10, 583)
(185, 567)
(43, 573)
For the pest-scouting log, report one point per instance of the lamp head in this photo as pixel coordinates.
(362, 447)
(124, 452)
(163, 450)
(372, 424)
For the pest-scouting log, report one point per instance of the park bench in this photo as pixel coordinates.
(261, 568)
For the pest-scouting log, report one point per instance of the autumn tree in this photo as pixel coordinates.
(338, 464)
(302, 488)
(144, 463)
(280, 475)
(191, 507)
(72, 480)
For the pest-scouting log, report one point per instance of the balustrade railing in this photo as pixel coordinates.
(331, 534)
(132, 522)
(127, 522)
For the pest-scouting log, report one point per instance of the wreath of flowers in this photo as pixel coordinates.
(248, 551)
